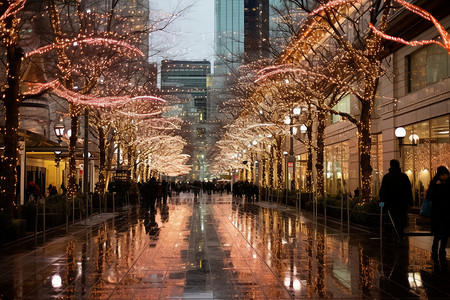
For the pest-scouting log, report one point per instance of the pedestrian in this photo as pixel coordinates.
(356, 192)
(439, 195)
(396, 193)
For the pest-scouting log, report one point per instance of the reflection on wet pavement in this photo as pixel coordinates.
(219, 248)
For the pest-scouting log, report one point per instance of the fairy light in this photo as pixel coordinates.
(332, 4)
(90, 41)
(13, 9)
(427, 16)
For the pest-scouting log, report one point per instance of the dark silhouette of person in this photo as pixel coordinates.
(149, 192)
(439, 195)
(396, 193)
(356, 192)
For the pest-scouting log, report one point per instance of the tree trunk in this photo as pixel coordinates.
(101, 185)
(309, 164)
(321, 124)
(73, 186)
(279, 162)
(365, 144)
(11, 102)
(263, 172)
(271, 177)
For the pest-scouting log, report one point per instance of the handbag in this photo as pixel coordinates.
(425, 210)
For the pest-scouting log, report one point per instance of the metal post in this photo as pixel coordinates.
(113, 200)
(342, 208)
(381, 222)
(43, 220)
(86, 160)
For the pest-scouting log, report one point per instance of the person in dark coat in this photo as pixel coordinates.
(396, 193)
(439, 195)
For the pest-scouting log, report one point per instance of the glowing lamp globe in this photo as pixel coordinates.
(400, 132)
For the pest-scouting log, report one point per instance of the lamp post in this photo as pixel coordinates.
(289, 120)
(400, 133)
(59, 132)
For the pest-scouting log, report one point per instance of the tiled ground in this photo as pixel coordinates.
(217, 248)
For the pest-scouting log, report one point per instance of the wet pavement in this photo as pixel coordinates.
(219, 248)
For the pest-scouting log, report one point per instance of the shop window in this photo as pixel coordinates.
(377, 163)
(427, 65)
(433, 150)
(336, 168)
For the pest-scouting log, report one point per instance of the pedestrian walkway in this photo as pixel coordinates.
(215, 247)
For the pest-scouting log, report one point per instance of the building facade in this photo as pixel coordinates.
(188, 81)
(414, 94)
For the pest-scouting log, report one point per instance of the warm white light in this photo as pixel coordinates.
(56, 281)
(400, 132)
(414, 138)
(303, 128)
(69, 132)
(269, 135)
(57, 152)
(297, 111)
(294, 130)
(285, 153)
(287, 120)
(59, 130)
(255, 143)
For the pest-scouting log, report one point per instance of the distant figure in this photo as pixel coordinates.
(53, 191)
(63, 189)
(396, 193)
(439, 195)
(49, 189)
(356, 192)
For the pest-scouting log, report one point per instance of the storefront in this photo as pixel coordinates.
(426, 147)
(336, 168)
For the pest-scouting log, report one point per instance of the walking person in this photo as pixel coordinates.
(439, 195)
(396, 193)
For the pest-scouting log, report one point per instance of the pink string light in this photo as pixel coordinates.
(427, 16)
(13, 9)
(90, 100)
(90, 41)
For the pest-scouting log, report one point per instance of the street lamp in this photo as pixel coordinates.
(59, 131)
(303, 128)
(400, 133)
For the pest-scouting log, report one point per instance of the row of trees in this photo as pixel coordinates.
(94, 55)
(337, 51)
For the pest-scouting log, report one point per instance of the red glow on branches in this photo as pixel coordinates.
(427, 16)
(13, 9)
(90, 41)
